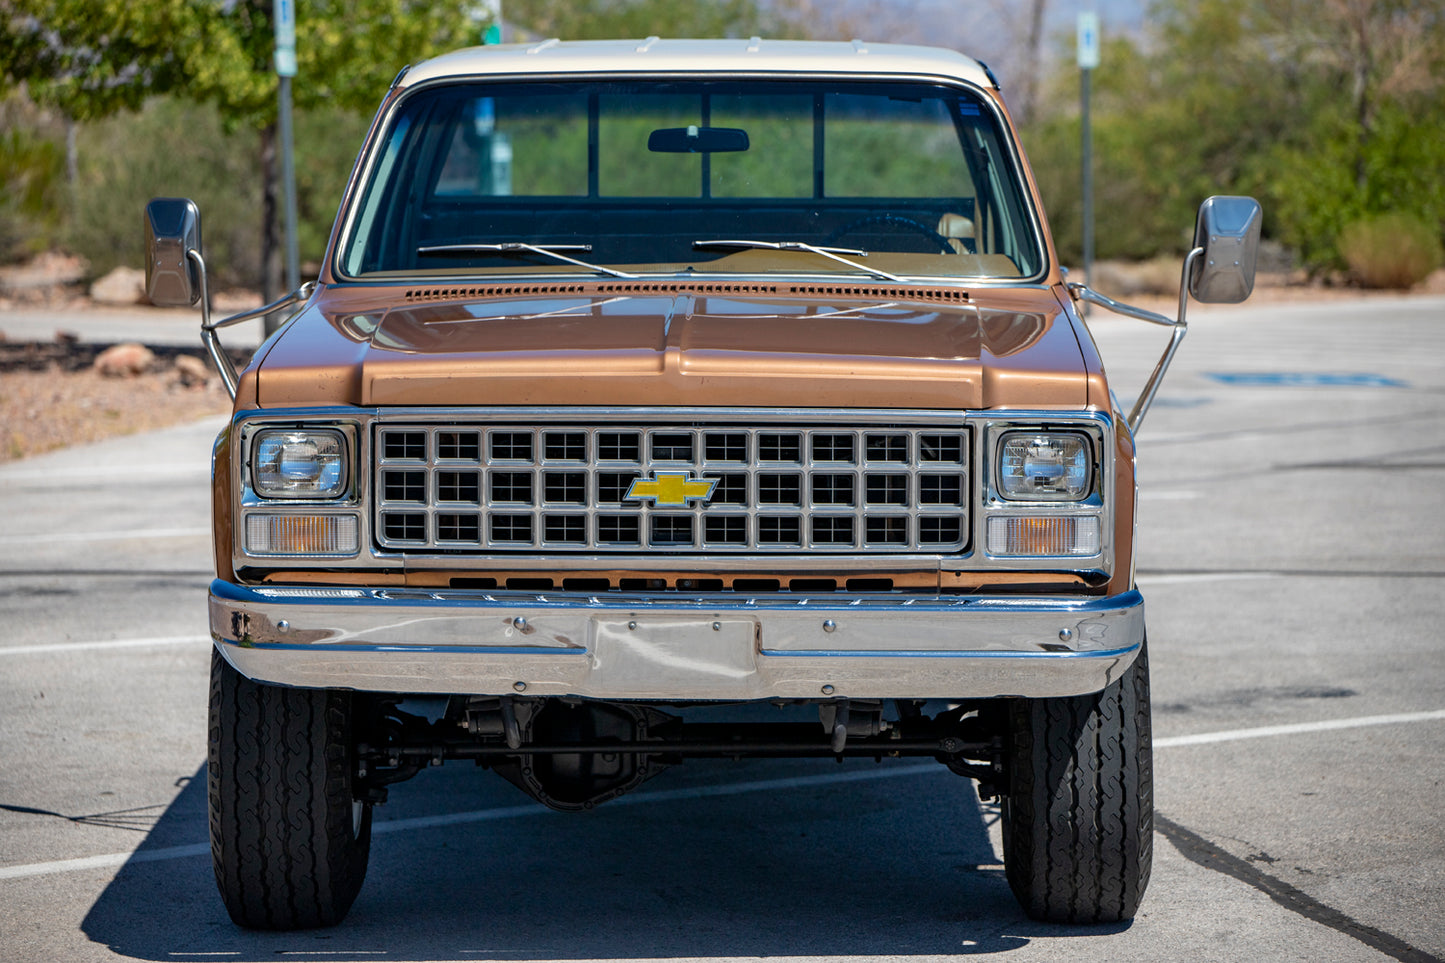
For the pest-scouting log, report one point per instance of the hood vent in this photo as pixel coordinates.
(644, 288)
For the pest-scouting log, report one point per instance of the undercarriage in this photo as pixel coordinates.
(573, 754)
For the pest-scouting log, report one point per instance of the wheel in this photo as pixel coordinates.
(891, 220)
(288, 841)
(1078, 819)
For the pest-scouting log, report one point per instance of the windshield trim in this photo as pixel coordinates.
(377, 137)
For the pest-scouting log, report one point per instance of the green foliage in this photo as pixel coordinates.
(169, 149)
(1317, 189)
(1326, 112)
(327, 140)
(173, 148)
(1147, 176)
(94, 57)
(604, 19)
(91, 58)
(32, 171)
(1390, 251)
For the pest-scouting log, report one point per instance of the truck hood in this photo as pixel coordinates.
(678, 347)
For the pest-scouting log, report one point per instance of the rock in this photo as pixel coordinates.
(42, 273)
(124, 285)
(1126, 279)
(124, 360)
(191, 371)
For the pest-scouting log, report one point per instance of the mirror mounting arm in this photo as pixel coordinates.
(1179, 325)
(229, 376)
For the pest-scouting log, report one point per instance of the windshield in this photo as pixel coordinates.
(646, 177)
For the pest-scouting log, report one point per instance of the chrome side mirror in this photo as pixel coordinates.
(173, 230)
(1227, 232)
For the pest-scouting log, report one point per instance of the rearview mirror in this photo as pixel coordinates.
(173, 228)
(697, 140)
(1228, 231)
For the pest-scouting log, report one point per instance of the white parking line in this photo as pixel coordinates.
(1299, 728)
(701, 792)
(102, 644)
(102, 862)
(1168, 495)
(41, 538)
(102, 474)
(1188, 577)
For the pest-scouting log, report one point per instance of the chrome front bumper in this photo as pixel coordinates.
(723, 647)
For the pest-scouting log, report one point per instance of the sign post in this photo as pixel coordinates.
(284, 20)
(490, 13)
(1088, 52)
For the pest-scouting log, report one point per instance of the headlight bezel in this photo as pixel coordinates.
(340, 426)
(1089, 515)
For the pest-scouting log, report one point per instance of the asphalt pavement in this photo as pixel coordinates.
(1292, 475)
(111, 325)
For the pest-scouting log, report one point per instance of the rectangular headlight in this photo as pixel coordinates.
(297, 463)
(302, 535)
(1044, 535)
(1045, 465)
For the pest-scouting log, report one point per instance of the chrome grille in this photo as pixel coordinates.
(774, 489)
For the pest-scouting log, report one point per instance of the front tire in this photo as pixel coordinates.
(1078, 819)
(288, 841)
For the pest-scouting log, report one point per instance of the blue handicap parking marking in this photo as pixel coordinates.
(1305, 379)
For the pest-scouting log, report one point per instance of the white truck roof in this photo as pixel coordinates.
(691, 56)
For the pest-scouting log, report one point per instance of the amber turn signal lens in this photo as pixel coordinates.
(1044, 535)
(302, 535)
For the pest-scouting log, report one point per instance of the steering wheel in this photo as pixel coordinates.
(916, 226)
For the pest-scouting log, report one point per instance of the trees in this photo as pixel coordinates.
(1329, 112)
(600, 19)
(92, 58)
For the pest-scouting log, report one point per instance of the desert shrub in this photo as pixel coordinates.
(174, 148)
(1390, 251)
(32, 181)
(169, 149)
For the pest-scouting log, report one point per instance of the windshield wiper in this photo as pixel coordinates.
(828, 252)
(511, 247)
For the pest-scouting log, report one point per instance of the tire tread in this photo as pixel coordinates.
(1079, 815)
(279, 796)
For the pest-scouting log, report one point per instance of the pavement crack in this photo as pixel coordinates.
(1293, 428)
(1202, 852)
(141, 819)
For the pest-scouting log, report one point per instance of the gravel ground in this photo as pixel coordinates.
(54, 408)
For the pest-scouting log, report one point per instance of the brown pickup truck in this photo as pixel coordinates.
(661, 400)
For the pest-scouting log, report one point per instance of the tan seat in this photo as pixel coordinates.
(958, 229)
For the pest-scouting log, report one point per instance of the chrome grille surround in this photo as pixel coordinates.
(780, 488)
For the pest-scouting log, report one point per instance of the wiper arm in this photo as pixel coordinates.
(553, 251)
(831, 253)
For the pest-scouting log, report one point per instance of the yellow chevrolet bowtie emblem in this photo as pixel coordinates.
(672, 489)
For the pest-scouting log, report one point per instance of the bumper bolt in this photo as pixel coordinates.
(520, 686)
(1066, 635)
(829, 625)
(519, 623)
(632, 626)
(717, 626)
(827, 690)
(283, 626)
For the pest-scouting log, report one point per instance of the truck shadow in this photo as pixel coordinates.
(896, 865)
